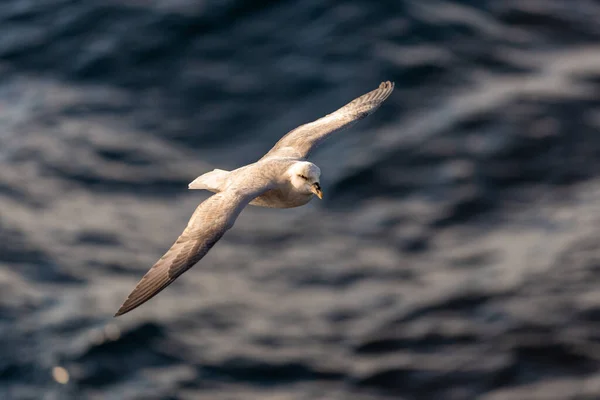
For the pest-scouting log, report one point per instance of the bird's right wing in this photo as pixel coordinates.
(305, 138)
(208, 224)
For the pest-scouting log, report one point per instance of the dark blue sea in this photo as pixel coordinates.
(455, 256)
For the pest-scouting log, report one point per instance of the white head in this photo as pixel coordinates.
(304, 177)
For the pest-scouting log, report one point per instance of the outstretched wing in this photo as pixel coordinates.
(208, 224)
(302, 140)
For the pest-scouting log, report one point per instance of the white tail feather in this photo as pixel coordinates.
(212, 180)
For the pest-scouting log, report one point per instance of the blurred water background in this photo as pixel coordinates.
(455, 255)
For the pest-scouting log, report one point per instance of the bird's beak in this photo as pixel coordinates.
(316, 189)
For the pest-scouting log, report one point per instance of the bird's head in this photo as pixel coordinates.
(304, 176)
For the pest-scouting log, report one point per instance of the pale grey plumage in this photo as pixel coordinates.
(276, 180)
(301, 141)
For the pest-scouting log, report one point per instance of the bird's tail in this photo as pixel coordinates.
(212, 181)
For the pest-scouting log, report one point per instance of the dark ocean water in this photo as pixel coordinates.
(455, 255)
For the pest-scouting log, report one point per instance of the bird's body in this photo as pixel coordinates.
(283, 195)
(280, 179)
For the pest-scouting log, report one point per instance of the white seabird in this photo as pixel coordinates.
(281, 179)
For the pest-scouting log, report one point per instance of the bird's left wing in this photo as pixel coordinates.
(208, 224)
(305, 138)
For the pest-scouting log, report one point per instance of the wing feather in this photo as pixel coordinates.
(208, 224)
(301, 141)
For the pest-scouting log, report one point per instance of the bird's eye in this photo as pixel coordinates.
(304, 177)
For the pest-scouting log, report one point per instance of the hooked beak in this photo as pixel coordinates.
(316, 189)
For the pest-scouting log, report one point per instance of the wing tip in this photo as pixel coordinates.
(141, 293)
(125, 308)
(119, 313)
(144, 291)
(122, 310)
(386, 87)
(368, 103)
(135, 299)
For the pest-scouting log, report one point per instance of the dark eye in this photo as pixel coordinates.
(304, 177)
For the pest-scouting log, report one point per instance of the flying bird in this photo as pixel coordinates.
(282, 178)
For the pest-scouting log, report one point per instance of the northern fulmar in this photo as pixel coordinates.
(282, 178)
